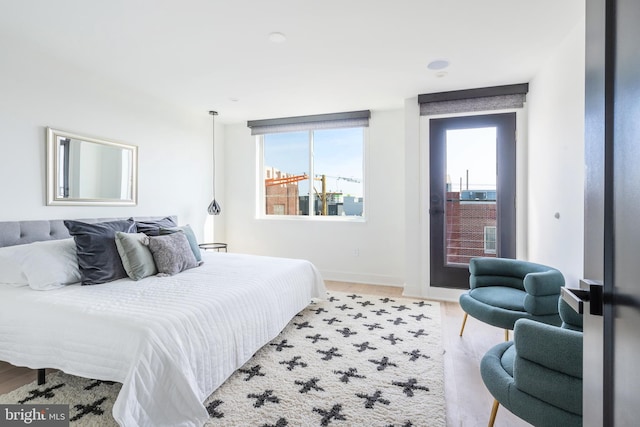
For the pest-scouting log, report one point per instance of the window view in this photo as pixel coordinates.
(471, 194)
(314, 173)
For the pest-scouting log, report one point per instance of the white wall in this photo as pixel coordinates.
(556, 159)
(416, 168)
(330, 245)
(550, 173)
(38, 90)
(175, 157)
(393, 243)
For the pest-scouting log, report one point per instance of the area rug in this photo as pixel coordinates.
(350, 360)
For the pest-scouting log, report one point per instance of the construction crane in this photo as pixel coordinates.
(323, 178)
(285, 180)
(268, 182)
(344, 178)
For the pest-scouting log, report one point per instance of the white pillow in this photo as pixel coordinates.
(45, 265)
(10, 271)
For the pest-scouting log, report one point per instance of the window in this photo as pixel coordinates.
(490, 240)
(312, 172)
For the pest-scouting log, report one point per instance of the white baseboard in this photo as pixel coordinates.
(434, 293)
(368, 279)
(429, 292)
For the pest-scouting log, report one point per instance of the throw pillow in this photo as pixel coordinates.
(152, 227)
(42, 265)
(172, 253)
(10, 271)
(98, 256)
(191, 237)
(136, 257)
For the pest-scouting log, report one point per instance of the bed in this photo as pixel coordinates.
(170, 340)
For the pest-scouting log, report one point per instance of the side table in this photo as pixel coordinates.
(213, 246)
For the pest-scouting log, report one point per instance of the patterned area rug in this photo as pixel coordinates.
(352, 360)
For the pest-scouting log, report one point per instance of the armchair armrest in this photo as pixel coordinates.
(543, 292)
(541, 283)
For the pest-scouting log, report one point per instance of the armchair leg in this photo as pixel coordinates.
(464, 322)
(506, 335)
(494, 412)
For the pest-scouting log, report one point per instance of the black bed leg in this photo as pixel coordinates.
(41, 379)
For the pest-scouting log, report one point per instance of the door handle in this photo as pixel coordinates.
(436, 202)
(596, 300)
(590, 291)
(575, 298)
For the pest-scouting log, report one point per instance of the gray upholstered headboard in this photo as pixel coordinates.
(22, 232)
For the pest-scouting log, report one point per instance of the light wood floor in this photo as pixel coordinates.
(468, 401)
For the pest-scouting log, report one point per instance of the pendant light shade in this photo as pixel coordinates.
(214, 206)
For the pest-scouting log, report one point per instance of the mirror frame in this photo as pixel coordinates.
(53, 173)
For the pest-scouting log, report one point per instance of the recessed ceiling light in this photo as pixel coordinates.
(277, 37)
(439, 64)
(441, 74)
(234, 99)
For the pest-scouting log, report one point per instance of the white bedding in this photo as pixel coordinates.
(171, 341)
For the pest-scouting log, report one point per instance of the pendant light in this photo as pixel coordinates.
(214, 207)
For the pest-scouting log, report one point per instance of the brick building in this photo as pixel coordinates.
(471, 225)
(281, 199)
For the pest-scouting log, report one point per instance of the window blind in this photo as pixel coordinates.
(481, 99)
(318, 121)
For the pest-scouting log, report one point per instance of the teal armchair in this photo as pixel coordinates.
(504, 290)
(538, 376)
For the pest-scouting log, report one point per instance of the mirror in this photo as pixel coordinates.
(90, 171)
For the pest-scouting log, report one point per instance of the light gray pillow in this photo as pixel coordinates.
(44, 265)
(136, 257)
(191, 237)
(172, 253)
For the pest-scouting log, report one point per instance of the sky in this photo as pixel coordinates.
(338, 153)
(473, 150)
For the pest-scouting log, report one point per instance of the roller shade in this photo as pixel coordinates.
(319, 121)
(482, 99)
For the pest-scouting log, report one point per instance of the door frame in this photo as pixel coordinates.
(506, 139)
(417, 198)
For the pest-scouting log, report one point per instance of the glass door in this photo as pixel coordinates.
(472, 206)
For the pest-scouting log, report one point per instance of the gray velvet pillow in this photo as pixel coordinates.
(191, 237)
(98, 256)
(172, 253)
(136, 257)
(152, 227)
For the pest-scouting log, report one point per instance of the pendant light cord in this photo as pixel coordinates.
(214, 207)
(213, 144)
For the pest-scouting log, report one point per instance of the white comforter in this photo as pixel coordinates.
(171, 341)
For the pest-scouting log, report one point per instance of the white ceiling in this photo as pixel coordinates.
(340, 55)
